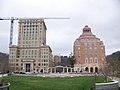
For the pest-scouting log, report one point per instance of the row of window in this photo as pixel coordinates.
(29, 45)
(30, 29)
(30, 25)
(31, 21)
(90, 51)
(16, 60)
(43, 60)
(12, 50)
(29, 52)
(30, 38)
(40, 64)
(27, 57)
(12, 56)
(90, 40)
(34, 52)
(30, 42)
(29, 34)
(91, 60)
(95, 48)
(88, 43)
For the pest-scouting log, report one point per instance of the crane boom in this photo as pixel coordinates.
(14, 18)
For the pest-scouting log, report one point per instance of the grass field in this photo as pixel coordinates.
(40, 83)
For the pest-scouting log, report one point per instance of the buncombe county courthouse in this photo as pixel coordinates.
(31, 54)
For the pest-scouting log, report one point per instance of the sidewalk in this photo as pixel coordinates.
(118, 79)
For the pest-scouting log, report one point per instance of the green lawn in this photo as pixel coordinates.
(44, 83)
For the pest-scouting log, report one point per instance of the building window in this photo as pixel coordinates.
(95, 52)
(96, 60)
(94, 43)
(78, 60)
(90, 44)
(90, 51)
(21, 68)
(22, 56)
(102, 52)
(45, 60)
(22, 52)
(86, 52)
(45, 64)
(16, 68)
(86, 60)
(17, 60)
(85, 43)
(91, 60)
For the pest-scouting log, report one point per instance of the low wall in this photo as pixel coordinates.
(1, 75)
(5, 86)
(107, 86)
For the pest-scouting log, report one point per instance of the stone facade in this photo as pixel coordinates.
(89, 52)
(57, 60)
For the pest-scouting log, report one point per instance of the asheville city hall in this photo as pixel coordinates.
(89, 52)
(33, 55)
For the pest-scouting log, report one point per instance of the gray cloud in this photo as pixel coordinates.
(101, 16)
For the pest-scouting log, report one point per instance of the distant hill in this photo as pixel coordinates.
(4, 62)
(114, 57)
(114, 62)
(3, 57)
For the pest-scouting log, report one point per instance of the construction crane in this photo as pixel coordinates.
(14, 18)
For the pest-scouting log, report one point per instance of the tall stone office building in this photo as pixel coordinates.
(89, 52)
(31, 54)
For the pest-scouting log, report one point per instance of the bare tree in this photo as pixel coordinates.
(104, 70)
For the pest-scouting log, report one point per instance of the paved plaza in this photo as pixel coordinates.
(118, 79)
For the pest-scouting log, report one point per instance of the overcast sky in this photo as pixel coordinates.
(102, 16)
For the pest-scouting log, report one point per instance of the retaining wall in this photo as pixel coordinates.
(107, 86)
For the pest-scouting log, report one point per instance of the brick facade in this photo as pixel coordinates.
(89, 52)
